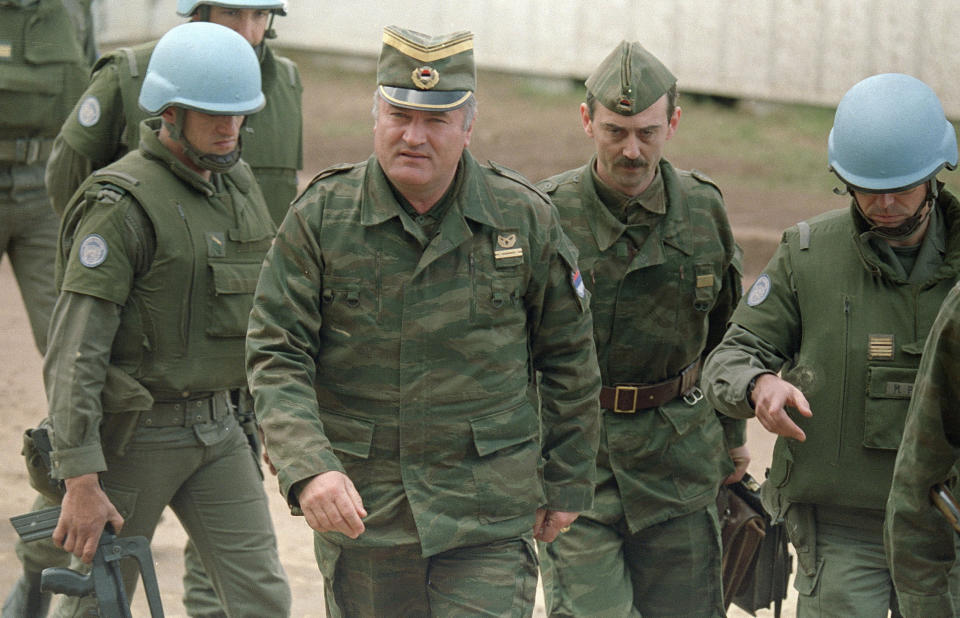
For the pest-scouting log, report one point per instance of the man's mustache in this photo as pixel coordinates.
(630, 163)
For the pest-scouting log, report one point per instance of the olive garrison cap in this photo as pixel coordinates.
(629, 80)
(418, 71)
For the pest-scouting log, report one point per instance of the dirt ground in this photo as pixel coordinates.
(534, 129)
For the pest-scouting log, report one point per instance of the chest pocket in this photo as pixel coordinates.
(497, 299)
(232, 297)
(885, 414)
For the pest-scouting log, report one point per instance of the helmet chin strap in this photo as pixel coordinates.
(219, 164)
(910, 224)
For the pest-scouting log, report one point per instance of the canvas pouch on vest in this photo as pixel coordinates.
(756, 564)
(42, 68)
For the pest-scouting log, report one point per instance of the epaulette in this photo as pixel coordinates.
(548, 186)
(517, 177)
(105, 193)
(333, 170)
(705, 179)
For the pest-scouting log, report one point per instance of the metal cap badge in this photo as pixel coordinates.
(418, 71)
(630, 79)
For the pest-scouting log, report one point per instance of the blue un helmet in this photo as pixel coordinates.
(889, 135)
(185, 8)
(207, 68)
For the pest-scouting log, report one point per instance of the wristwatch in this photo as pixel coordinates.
(750, 386)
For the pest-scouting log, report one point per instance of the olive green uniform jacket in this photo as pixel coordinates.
(920, 543)
(103, 127)
(836, 313)
(176, 259)
(657, 308)
(43, 70)
(404, 361)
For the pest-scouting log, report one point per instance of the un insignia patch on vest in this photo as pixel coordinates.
(93, 251)
(759, 291)
(88, 114)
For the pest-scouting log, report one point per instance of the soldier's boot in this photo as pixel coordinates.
(26, 600)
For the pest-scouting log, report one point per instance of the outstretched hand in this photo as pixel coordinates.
(771, 394)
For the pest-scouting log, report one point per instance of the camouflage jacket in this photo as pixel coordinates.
(656, 309)
(920, 543)
(405, 361)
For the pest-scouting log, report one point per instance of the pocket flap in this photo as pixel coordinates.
(497, 431)
(890, 382)
(348, 434)
(236, 278)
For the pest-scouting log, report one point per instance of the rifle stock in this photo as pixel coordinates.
(105, 579)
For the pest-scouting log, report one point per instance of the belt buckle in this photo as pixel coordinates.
(616, 399)
(692, 396)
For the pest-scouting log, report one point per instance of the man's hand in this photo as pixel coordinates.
(549, 524)
(770, 395)
(331, 503)
(741, 459)
(85, 511)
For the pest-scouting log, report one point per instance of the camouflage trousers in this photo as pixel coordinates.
(208, 477)
(496, 579)
(599, 569)
(851, 577)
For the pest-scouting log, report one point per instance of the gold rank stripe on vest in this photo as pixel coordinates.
(880, 347)
(429, 53)
(502, 254)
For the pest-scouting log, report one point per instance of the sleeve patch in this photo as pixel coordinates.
(576, 280)
(93, 251)
(759, 290)
(88, 114)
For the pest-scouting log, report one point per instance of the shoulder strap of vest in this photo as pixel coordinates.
(804, 230)
(291, 69)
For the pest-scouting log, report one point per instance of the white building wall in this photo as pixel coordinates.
(791, 50)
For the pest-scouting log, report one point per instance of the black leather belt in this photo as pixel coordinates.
(628, 398)
(187, 412)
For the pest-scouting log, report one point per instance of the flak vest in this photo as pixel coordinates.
(266, 135)
(42, 70)
(863, 335)
(183, 326)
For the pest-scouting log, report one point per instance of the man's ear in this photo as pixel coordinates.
(585, 119)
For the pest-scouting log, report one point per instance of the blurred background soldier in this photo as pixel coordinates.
(824, 348)
(921, 544)
(160, 252)
(103, 126)
(398, 316)
(658, 257)
(46, 48)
